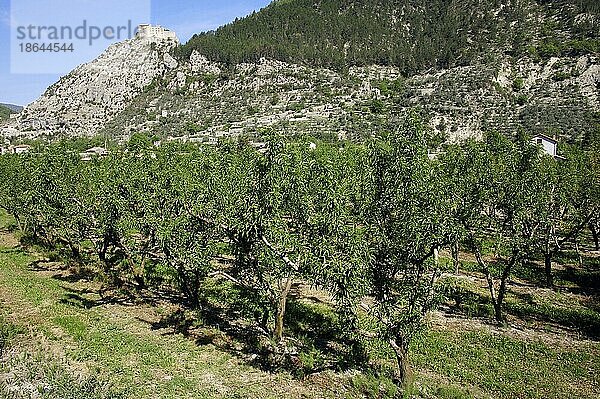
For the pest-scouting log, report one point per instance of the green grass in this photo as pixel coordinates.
(505, 367)
(67, 338)
(125, 350)
(36, 375)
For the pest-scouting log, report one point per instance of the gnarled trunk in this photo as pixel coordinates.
(400, 347)
(285, 290)
(595, 235)
(455, 256)
(497, 297)
(548, 269)
(499, 316)
(19, 224)
(579, 257)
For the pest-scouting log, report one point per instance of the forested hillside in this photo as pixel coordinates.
(343, 70)
(411, 35)
(4, 112)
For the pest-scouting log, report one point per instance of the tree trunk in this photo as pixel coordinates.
(285, 290)
(262, 318)
(498, 315)
(403, 367)
(595, 235)
(503, 288)
(19, 225)
(579, 258)
(75, 252)
(456, 256)
(490, 280)
(548, 269)
(496, 297)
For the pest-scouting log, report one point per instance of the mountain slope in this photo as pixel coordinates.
(4, 112)
(410, 35)
(93, 93)
(328, 68)
(210, 100)
(12, 107)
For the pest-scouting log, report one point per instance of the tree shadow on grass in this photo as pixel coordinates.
(462, 301)
(582, 319)
(587, 280)
(80, 274)
(78, 298)
(12, 251)
(45, 265)
(313, 339)
(531, 273)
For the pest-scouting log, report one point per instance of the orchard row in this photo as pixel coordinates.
(363, 223)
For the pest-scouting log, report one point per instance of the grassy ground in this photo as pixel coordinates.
(64, 318)
(59, 335)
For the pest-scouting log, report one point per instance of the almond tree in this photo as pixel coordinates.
(272, 222)
(407, 220)
(567, 204)
(16, 194)
(591, 149)
(498, 183)
(183, 241)
(59, 212)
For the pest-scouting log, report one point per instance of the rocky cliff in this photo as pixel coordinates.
(83, 101)
(543, 80)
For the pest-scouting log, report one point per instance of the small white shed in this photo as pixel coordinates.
(548, 143)
(20, 149)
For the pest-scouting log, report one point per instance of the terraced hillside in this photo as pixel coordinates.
(344, 69)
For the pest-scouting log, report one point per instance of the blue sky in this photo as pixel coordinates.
(185, 17)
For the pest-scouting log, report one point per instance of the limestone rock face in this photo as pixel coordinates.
(203, 100)
(82, 102)
(137, 86)
(201, 64)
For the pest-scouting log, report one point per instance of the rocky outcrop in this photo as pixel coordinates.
(82, 102)
(137, 86)
(202, 100)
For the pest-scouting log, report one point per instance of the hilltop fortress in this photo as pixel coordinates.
(149, 32)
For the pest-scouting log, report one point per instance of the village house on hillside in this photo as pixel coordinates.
(548, 144)
(94, 152)
(15, 149)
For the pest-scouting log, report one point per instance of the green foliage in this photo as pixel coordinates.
(407, 222)
(358, 33)
(521, 99)
(4, 112)
(560, 76)
(374, 32)
(192, 127)
(377, 106)
(356, 221)
(518, 83)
